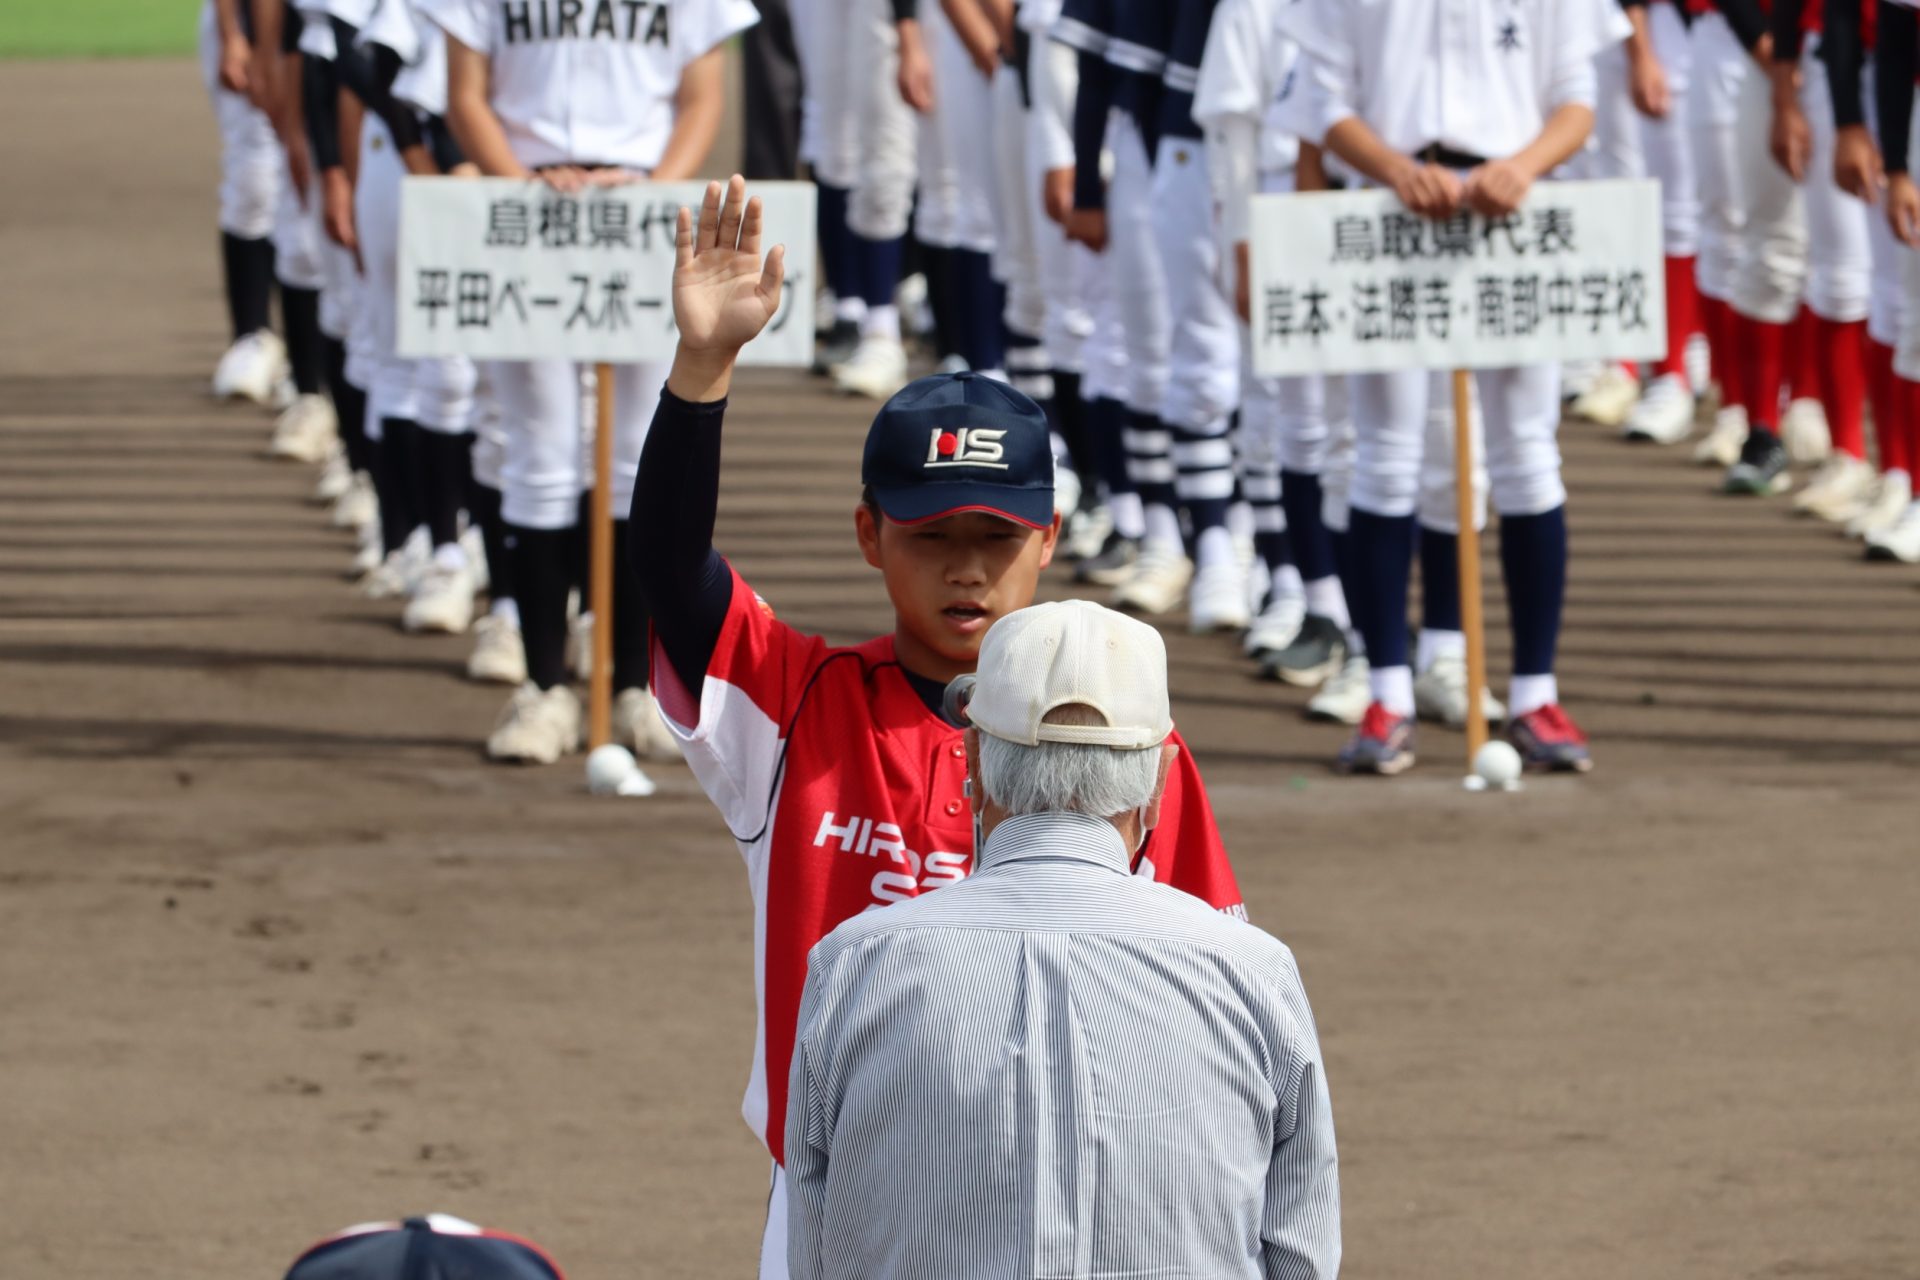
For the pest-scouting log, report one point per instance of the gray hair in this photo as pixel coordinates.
(1067, 777)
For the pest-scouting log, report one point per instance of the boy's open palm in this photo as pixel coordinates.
(723, 295)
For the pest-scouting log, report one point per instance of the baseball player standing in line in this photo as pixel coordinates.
(579, 95)
(1378, 68)
(839, 770)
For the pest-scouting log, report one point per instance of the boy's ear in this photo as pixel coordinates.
(867, 530)
(1050, 539)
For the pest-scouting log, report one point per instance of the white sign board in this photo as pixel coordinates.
(1350, 282)
(501, 269)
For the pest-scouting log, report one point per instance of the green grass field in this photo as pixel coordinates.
(98, 28)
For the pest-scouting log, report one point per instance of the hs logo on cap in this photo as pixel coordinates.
(966, 447)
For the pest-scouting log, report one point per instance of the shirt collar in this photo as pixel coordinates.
(1057, 835)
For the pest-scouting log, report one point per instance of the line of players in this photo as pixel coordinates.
(1079, 170)
(460, 479)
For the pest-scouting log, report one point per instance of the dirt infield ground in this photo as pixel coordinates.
(279, 953)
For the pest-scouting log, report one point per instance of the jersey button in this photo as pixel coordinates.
(953, 808)
(959, 752)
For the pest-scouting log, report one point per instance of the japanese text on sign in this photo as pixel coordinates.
(507, 270)
(1352, 282)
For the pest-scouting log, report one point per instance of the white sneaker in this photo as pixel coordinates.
(306, 432)
(536, 727)
(1836, 490)
(251, 368)
(1882, 507)
(580, 645)
(1219, 599)
(1698, 359)
(358, 507)
(916, 311)
(367, 556)
(1577, 378)
(1344, 698)
(1158, 580)
(876, 369)
(1086, 533)
(336, 477)
(955, 363)
(1610, 398)
(442, 601)
(637, 724)
(1276, 626)
(1440, 693)
(1900, 542)
(284, 394)
(499, 655)
(1803, 429)
(391, 579)
(1665, 412)
(1721, 448)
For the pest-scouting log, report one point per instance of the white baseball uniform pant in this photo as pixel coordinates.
(1136, 278)
(1839, 245)
(1721, 72)
(1773, 237)
(958, 182)
(1886, 294)
(1666, 145)
(1016, 257)
(544, 472)
(299, 242)
(252, 168)
(1403, 417)
(831, 95)
(880, 205)
(1069, 273)
(1204, 349)
(1614, 149)
(489, 435)
(1103, 354)
(1906, 356)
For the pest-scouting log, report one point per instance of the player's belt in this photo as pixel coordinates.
(1447, 158)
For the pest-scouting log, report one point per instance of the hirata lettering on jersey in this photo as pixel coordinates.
(636, 21)
(966, 447)
(865, 836)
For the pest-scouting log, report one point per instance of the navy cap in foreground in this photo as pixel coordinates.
(436, 1247)
(958, 442)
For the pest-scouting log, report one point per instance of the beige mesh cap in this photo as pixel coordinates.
(1074, 651)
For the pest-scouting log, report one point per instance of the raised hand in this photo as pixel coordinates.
(723, 294)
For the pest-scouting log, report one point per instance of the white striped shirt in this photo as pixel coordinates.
(1057, 1069)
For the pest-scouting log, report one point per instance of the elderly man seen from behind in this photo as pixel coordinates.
(1057, 1067)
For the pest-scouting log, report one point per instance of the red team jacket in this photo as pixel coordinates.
(843, 791)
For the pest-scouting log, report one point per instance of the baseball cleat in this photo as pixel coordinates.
(499, 655)
(1312, 657)
(1440, 694)
(1577, 377)
(252, 368)
(1218, 601)
(1803, 428)
(1277, 626)
(835, 346)
(1665, 412)
(1383, 744)
(1086, 533)
(1899, 542)
(336, 477)
(1344, 698)
(1721, 448)
(358, 507)
(442, 601)
(876, 369)
(306, 432)
(637, 724)
(1610, 397)
(536, 726)
(1836, 491)
(1112, 566)
(1550, 742)
(1762, 469)
(1882, 507)
(1158, 582)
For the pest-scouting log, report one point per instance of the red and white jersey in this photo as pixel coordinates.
(843, 791)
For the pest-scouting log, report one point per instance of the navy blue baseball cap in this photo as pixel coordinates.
(959, 442)
(437, 1247)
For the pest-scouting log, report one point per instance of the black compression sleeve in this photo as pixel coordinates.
(1785, 23)
(1840, 49)
(440, 141)
(320, 102)
(686, 585)
(1744, 16)
(904, 9)
(1090, 107)
(1894, 65)
(369, 77)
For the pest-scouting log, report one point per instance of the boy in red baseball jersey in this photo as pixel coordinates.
(837, 769)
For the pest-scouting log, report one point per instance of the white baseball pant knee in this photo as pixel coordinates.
(1336, 478)
(1103, 354)
(834, 89)
(1906, 356)
(881, 204)
(1521, 412)
(1774, 239)
(1720, 69)
(252, 170)
(1136, 278)
(543, 474)
(962, 113)
(1204, 348)
(1016, 258)
(1667, 144)
(1839, 247)
(1438, 507)
(489, 437)
(1614, 149)
(299, 245)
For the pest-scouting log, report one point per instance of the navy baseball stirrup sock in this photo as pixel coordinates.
(1070, 420)
(446, 464)
(306, 353)
(483, 504)
(1150, 459)
(541, 579)
(1377, 593)
(1439, 580)
(249, 272)
(1307, 532)
(836, 241)
(1106, 432)
(879, 273)
(1533, 560)
(405, 456)
(629, 617)
(940, 289)
(395, 515)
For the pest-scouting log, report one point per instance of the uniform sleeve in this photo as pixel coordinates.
(1844, 52)
(1785, 22)
(1749, 23)
(1056, 82)
(1300, 1219)
(1185, 849)
(703, 26)
(468, 21)
(1233, 79)
(1328, 65)
(1896, 57)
